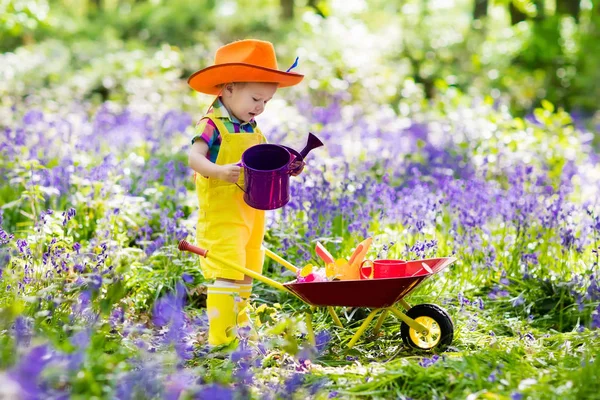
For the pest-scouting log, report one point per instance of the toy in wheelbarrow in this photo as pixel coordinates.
(378, 285)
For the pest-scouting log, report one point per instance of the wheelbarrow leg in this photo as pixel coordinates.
(409, 321)
(404, 304)
(362, 328)
(309, 327)
(380, 321)
(335, 317)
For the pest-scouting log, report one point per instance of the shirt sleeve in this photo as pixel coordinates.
(207, 131)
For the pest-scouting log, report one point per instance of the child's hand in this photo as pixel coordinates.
(229, 173)
(298, 167)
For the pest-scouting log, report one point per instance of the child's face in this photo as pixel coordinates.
(247, 100)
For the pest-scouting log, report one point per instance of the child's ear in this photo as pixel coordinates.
(228, 89)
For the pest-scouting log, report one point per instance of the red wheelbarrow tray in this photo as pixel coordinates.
(379, 294)
(369, 293)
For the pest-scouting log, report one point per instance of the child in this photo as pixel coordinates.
(244, 78)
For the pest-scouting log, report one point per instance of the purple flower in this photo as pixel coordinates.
(95, 282)
(304, 363)
(80, 341)
(518, 301)
(5, 237)
(596, 318)
(215, 392)
(68, 215)
(292, 384)
(187, 278)
(23, 246)
(462, 300)
(23, 330)
(428, 362)
(529, 336)
(117, 317)
(530, 258)
(169, 307)
(479, 303)
(168, 311)
(321, 340)
(243, 373)
(497, 292)
(178, 383)
(140, 382)
(33, 117)
(28, 370)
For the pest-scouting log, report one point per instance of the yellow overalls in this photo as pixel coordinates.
(227, 226)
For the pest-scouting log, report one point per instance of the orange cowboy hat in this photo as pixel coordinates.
(242, 61)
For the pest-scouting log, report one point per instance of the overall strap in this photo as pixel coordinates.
(218, 123)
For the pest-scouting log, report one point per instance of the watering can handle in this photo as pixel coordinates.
(360, 269)
(291, 167)
(241, 165)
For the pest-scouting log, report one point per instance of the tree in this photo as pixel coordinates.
(287, 9)
(317, 7)
(480, 9)
(569, 7)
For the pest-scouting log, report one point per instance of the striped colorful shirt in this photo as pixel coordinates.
(207, 131)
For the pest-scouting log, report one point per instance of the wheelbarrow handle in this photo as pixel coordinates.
(185, 246)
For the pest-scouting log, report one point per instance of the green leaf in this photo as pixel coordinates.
(546, 105)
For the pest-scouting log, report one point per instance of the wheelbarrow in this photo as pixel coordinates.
(424, 326)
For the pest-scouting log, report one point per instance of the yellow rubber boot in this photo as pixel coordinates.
(221, 311)
(242, 317)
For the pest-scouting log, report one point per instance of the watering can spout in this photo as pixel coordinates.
(312, 143)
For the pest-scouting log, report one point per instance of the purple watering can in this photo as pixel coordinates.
(267, 170)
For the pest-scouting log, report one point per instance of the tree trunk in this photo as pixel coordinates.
(287, 9)
(480, 9)
(570, 7)
(541, 13)
(516, 15)
(314, 4)
(95, 6)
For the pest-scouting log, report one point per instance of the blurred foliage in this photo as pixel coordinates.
(518, 50)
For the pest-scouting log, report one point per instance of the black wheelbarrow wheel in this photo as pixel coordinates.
(436, 320)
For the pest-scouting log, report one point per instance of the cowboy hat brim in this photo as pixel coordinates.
(208, 79)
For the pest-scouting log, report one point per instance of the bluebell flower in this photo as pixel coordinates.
(214, 392)
(292, 384)
(518, 301)
(428, 362)
(29, 368)
(596, 318)
(23, 333)
(177, 383)
(95, 282)
(322, 338)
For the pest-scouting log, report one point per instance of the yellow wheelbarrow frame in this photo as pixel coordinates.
(415, 326)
